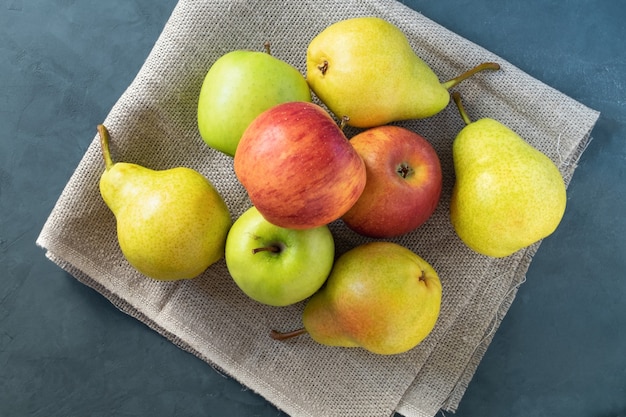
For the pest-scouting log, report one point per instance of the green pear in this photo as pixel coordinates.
(171, 224)
(364, 69)
(507, 194)
(380, 296)
(238, 87)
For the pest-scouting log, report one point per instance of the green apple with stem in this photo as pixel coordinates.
(275, 265)
(239, 86)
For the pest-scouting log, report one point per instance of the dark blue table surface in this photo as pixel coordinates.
(66, 351)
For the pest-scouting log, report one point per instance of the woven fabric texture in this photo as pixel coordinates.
(154, 124)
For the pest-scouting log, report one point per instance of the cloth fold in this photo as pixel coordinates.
(154, 124)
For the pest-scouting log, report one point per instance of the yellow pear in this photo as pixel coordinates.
(507, 194)
(380, 296)
(364, 70)
(171, 224)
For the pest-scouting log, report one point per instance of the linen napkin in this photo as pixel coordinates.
(154, 124)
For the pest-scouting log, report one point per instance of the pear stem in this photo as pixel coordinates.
(481, 67)
(104, 143)
(276, 335)
(267, 48)
(271, 248)
(456, 96)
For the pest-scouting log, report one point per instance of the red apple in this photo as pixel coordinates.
(403, 182)
(298, 167)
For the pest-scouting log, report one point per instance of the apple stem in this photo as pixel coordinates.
(267, 48)
(276, 335)
(104, 144)
(344, 122)
(481, 67)
(456, 96)
(271, 248)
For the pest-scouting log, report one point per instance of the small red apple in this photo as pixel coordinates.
(298, 167)
(403, 184)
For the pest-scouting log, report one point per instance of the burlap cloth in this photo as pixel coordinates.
(154, 124)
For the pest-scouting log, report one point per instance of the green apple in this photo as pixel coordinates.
(275, 265)
(239, 86)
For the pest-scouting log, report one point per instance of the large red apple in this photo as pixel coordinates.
(403, 182)
(298, 167)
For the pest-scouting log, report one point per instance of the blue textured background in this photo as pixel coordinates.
(66, 351)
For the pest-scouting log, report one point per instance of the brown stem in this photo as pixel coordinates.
(271, 248)
(344, 122)
(266, 45)
(276, 335)
(484, 66)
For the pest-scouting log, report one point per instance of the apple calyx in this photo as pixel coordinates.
(481, 67)
(269, 248)
(104, 144)
(456, 96)
(276, 335)
(404, 170)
